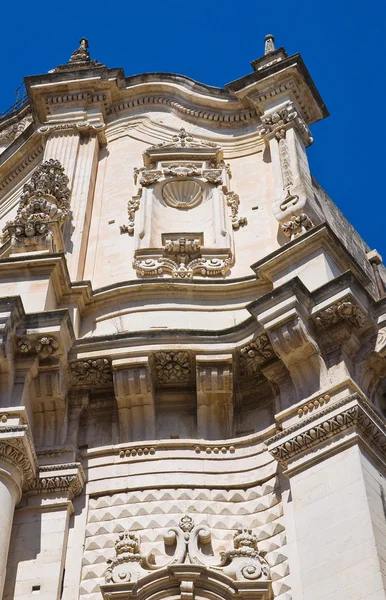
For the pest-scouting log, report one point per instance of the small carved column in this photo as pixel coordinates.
(135, 399)
(287, 135)
(214, 396)
(17, 468)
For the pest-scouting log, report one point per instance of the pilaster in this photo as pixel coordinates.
(214, 396)
(134, 393)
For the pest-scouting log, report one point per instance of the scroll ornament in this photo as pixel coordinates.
(244, 562)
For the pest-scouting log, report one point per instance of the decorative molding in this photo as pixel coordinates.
(137, 452)
(173, 366)
(215, 449)
(9, 178)
(231, 119)
(10, 133)
(313, 405)
(296, 226)
(295, 440)
(206, 267)
(255, 354)
(82, 127)
(342, 310)
(91, 373)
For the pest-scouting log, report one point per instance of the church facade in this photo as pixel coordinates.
(193, 345)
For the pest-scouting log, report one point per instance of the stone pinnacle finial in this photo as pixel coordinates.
(81, 54)
(269, 44)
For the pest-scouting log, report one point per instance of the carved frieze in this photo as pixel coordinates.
(52, 479)
(326, 424)
(91, 373)
(206, 267)
(16, 448)
(275, 123)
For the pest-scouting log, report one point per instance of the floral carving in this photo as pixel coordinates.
(46, 345)
(275, 123)
(254, 355)
(45, 199)
(173, 367)
(206, 267)
(342, 310)
(183, 170)
(297, 225)
(24, 345)
(93, 372)
(233, 201)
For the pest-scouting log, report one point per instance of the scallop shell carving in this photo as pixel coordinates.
(182, 194)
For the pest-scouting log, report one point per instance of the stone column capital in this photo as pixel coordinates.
(16, 448)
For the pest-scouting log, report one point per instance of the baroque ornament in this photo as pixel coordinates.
(233, 201)
(182, 194)
(343, 310)
(45, 200)
(296, 226)
(91, 373)
(183, 139)
(173, 367)
(183, 170)
(242, 563)
(46, 345)
(206, 267)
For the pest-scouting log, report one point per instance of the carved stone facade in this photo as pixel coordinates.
(193, 358)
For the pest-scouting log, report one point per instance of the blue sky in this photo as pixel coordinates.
(343, 44)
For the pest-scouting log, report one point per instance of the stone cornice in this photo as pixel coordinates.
(350, 414)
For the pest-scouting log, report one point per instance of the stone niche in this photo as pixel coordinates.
(184, 184)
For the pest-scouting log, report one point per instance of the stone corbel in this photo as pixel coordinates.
(134, 393)
(287, 136)
(214, 376)
(296, 346)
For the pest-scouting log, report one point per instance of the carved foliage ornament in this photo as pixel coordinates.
(206, 267)
(275, 123)
(254, 355)
(173, 367)
(45, 199)
(343, 310)
(91, 373)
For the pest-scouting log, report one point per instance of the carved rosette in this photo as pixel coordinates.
(173, 367)
(91, 373)
(45, 346)
(277, 122)
(43, 208)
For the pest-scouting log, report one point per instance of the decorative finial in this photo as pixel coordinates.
(269, 44)
(81, 54)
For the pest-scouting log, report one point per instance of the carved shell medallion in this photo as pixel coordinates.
(182, 194)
